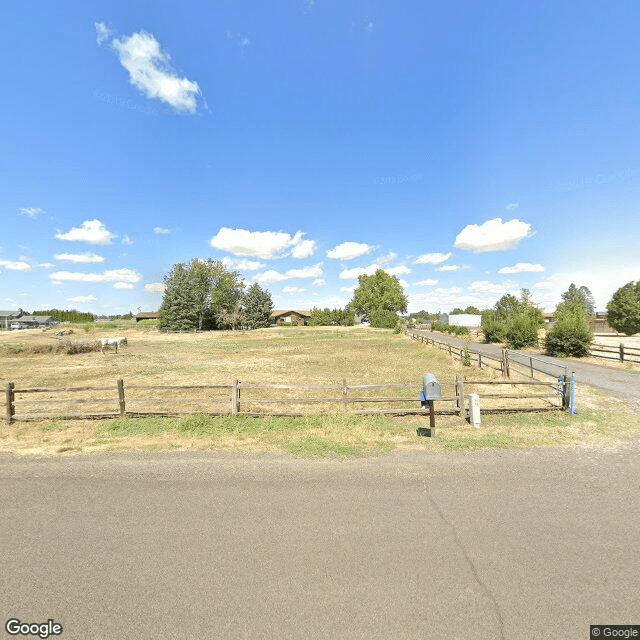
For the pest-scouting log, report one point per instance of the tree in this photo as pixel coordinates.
(196, 293)
(513, 321)
(472, 311)
(581, 295)
(330, 317)
(570, 335)
(378, 296)
(257, 307)
(624, 309)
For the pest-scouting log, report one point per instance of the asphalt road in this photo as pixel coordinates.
(614, 382)
(495, 544)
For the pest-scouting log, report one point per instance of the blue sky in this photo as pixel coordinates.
(472, 149)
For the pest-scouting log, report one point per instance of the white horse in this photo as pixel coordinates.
(112, 342)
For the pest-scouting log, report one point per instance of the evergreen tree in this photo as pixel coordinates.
(178, 311)
(257, 307)
(196, 294)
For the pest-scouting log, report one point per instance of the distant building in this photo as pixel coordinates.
(469, 320)
(35, 322)
(290, 317)
(7, 317)
(147, 315)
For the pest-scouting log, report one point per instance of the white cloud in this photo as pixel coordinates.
(46, 265)
(512, 206)
(484, 286)
(82, 299)
(161, 231)
(30, 212)
(544, 284)
(113, 275)
(304, 249)
(349, 251)
(432, 258)
(319, 282)
(91, 232)
(400, 270)
(154, 287)
(449, 267)
(522, 267)
(242, 265)
(20, 265)
(257, 244)
(349, 274)
(314, 271)
(80, 258)
(386, 259)
(123, 285)
(150, 72)
(429, 282)
(350, 289)
(293, 289)
(102, 32)
(493, 235)
(126, 240)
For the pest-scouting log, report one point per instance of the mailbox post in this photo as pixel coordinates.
(430, 392)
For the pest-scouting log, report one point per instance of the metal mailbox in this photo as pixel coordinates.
(430, 388)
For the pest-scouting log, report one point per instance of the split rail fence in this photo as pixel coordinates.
(612, 352)
(249, 399)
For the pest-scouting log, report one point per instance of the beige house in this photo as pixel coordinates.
(290, 317)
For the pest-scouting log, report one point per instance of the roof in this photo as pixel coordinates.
(147, 314)
(10, 313)
(300, 312)
(39, 319)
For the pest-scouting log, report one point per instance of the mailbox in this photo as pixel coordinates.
(431, 387)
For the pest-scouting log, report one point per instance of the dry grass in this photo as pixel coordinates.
(295, 356)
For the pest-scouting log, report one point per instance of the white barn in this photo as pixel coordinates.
(469, 320)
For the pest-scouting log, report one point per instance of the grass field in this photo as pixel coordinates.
(320, 356)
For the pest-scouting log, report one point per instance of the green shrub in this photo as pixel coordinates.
(570, 335)
(522, 331)
(495, 330)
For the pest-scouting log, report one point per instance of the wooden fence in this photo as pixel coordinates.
(475, 357)
(611, 352)
(249, 399)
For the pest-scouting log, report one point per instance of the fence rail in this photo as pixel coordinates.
(248, 399)
(612, 352)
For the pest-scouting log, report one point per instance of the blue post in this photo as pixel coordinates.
(572, 395)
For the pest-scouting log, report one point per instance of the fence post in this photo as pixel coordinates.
(479, 360)
(11, 409)
(235, 405)
(121, 397)
(565, 392)
(460, 396)
(345, 390)
(505, 363)
(531, 365)
(621, 352)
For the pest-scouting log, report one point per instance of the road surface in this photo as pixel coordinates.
(477, 546)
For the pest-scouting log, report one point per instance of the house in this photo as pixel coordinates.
(147, 315)
(290, 317)
(8, 317)
(36, 322)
